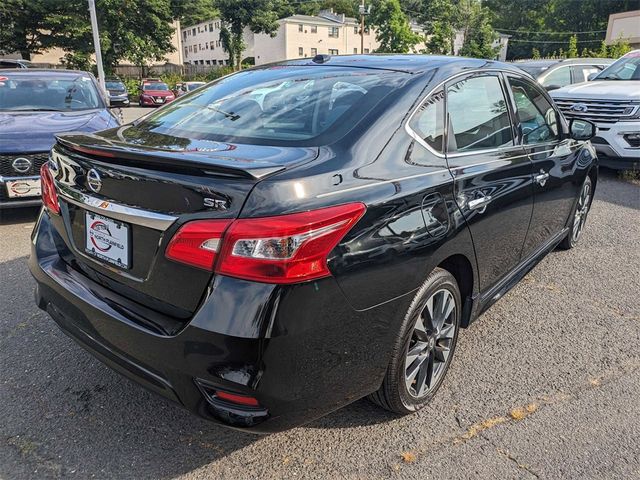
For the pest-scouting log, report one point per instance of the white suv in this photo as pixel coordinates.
(612, 101)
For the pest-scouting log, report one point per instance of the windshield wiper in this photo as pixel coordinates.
(608, 77)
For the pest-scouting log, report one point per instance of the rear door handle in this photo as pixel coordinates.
(479, 203)
(542, 178)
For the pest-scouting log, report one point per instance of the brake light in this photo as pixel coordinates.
(288, 248)
(283, 249)
(197, 243)
(237, 399)
(48, 188)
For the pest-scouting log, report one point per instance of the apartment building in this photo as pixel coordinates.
(625, 26)
(201, 44)
(306, 36)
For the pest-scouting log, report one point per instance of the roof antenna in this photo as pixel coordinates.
(321, 58)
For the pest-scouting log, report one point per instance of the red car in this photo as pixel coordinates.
(155, 94)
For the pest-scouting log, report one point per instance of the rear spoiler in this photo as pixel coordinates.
(208, 162)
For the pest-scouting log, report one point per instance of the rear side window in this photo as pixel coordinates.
(537, 117)
(278, 105)
(478, 114)
(428, 121)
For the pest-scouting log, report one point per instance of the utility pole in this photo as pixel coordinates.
(362, 10)
(96, 44)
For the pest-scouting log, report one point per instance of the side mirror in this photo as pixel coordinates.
(582, 129)
(548, 88)
(591, 76)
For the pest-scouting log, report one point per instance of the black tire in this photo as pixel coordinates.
(579, 215)
(395, 394)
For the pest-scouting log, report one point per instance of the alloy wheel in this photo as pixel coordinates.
(580, 217)
(430, 344)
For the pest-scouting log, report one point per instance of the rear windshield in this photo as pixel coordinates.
(47, 93)
(289, 105)
(111, 85)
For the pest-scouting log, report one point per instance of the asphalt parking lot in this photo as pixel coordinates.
(545, 384)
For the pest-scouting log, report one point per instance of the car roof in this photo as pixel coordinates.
(34, 72)
(414, 64)
(566, 61)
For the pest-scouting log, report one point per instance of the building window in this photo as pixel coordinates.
(314, 52)
(355, 51)
(184, 35)
(186, 51)
(211, 27)
(300, 52)
(334, 32)
(211, 44)
(193, 31)
(206, 46)
(366, 30)
(314, 29)
(300, 27)
(333, 51)
(355, 30)
(366, 50)
(201, 62)
(220, 62)
(208, 62)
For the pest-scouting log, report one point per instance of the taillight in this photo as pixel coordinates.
(283, 249)
(48, 188)
(237, 399)
(197, 243)
(287, 248)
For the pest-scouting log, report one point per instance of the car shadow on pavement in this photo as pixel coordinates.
(18, 215)
(624, 194)
(64, 413)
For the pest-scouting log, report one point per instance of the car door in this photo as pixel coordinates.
(492, 174)
(554, 161)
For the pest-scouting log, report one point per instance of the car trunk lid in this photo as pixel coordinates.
(121, 204)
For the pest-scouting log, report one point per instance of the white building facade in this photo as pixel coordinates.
(301, 36)
(201, 44)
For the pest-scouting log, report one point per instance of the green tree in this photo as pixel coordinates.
(479, 35)
(190, 12)
(260, 16)
(619, 48)
(440, 21)
(573, 47)
(24, 26)
(535, 54)
(393, 30)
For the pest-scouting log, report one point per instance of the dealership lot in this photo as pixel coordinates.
(544, 384)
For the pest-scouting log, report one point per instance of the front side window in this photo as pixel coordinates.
(286, 106)
(428, 121)
(537, 118)
(557, 78)
(582, 73)
(478, 114)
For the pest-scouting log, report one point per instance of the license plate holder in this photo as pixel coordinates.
(23, 188)
(108, 240)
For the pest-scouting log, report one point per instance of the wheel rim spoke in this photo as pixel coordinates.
(430, 345)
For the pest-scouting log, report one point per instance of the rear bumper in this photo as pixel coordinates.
(301, 351)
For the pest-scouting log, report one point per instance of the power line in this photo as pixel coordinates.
(516, 40)
(549, 33)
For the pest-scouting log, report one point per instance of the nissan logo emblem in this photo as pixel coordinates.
(21, 165)
(93, 180)
(579, 107)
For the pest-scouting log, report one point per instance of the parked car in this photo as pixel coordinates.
(35, 105)
(10, 63)
(186, 87)
(265, 267)
(154, 94)
(118, 94)
(612, 101)
(553, 74)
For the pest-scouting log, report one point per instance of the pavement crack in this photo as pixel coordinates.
(519, 464)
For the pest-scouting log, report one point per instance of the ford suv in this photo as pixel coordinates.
(612, 101)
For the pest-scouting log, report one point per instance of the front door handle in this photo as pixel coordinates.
(542, 178)
(479, 203)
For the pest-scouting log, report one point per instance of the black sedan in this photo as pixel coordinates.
(294, 237)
